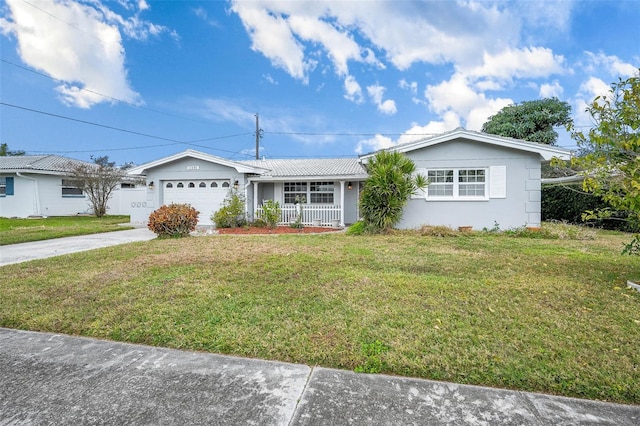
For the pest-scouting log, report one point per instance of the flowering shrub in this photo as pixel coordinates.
(174, 220)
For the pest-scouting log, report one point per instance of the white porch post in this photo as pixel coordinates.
(342, 203)
(255, 200)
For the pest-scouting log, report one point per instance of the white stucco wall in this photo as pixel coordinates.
(185, 169)
(45, 200)
(520, 207)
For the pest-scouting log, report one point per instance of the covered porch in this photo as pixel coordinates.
(310, 214)
(321, 192)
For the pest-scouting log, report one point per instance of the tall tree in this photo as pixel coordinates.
(98, 181)
(392, 180)
(5, 152)
(532, 121)
(611, 167)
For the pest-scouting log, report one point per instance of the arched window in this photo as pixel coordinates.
(192, 185)
(180, 185)
(169, 185)
(202, 185)
(225, 185)
(214, 185)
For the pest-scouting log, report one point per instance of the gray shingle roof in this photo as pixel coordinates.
(43, 163)
(312, 167)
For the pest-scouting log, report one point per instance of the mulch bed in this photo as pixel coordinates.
(277, 230)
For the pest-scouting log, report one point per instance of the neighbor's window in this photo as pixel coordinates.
(69, 189)
(3, 186)
(457, 183)
(293, 190)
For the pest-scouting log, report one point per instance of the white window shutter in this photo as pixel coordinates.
(498, 182)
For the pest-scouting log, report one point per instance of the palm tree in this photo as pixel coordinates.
(392, 180)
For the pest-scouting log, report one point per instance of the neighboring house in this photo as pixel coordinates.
(329, 187)
(477, 179)
(40, 185)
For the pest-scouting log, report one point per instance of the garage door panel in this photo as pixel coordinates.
(206, 198)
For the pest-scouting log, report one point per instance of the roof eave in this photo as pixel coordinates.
(239, 167)
(345, 178)
(546, 152)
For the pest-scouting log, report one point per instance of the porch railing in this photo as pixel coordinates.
(312, 214)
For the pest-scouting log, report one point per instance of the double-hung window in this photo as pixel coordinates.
(456, 184)
(69, 189)
(294, 191)
(312, 192)
(321, 193)
(6, 186)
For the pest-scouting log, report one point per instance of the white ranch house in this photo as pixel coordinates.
(476, 180)
(40, 185)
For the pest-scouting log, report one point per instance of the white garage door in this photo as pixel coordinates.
(205, 195)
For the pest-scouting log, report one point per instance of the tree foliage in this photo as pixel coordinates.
(97, 181)
(611, 166)
(5, 152)
(392, 180)
(532, 121)
(231, 214)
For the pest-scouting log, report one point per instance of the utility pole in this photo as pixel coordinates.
(258, 136)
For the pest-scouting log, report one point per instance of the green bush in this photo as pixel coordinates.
(387, 190)
(174, 220)
(358, 228)
(271, 213)
(567, 203)
(231, 214)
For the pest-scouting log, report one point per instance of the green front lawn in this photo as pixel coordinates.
(543, 315)
(13, 231)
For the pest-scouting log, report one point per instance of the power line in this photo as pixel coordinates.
(173, 141)
(84, 89)
(61, 20)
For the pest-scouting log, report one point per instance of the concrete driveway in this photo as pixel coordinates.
(17, 253)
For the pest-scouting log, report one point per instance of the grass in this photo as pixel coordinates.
(13, 231)
(537, 314)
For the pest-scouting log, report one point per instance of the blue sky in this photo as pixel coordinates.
(138, 80)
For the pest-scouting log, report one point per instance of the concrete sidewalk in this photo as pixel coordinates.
(17, 253)
(56, 379)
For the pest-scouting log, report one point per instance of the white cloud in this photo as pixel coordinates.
(271, 35)
(458, 96)
(449, 122)
(270, 79)
(353, 91)
(531, 62)
(408, 32)
(411, 87)
(78, 48)
(340, 46)
(611, 64)
(376, 93)
(551, 90)
(388, 107)
(374, 144)
(79, 44)
(201, 13)
(588, 91)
